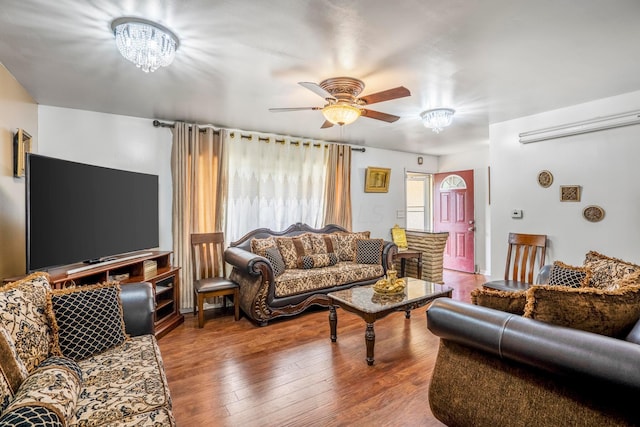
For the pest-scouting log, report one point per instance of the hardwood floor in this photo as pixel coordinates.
(289, 373)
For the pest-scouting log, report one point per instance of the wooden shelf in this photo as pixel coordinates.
(165, 282)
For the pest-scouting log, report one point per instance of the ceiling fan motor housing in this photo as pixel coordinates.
(343, 88)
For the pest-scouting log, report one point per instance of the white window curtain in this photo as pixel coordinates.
(273, 183)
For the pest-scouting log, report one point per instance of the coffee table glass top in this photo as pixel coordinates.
(366, 299)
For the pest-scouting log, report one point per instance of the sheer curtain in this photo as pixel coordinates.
(273, 183)
(338, 186)
(199, 187)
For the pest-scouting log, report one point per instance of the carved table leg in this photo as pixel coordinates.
(333, 322)
(370, 340)
(407, 314)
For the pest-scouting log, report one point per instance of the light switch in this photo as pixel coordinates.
(400, 214)
(516, 213)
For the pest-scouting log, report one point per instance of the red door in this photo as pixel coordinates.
(453, 212)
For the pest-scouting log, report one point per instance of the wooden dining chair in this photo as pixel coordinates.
(524, 250)
(210, 273)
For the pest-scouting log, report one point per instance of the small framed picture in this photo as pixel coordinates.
(569, 193)
(21, 146)
(377, 180)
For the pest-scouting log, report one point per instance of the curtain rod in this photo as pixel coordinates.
(157, 123)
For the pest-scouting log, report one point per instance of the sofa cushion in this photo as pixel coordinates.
(259, 246)
(321, 243)
(274, 257)
(344, 244)
(124, 383)
(291, 248)
(562, 274)
(23, 314)
(606, 312)
(507, 301)
(51, 386)
(12, 370)
(607, 272)
(369, 251)
(86, 320)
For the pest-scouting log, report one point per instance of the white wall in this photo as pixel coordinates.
(478, 161)
(604, 163)
(377, 212)
(114, 141)
(17, 111)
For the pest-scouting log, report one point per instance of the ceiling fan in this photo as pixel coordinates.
(343, 104)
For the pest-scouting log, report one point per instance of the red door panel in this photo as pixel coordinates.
(453, 212)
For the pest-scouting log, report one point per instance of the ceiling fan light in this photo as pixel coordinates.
(147, 44)
(341, 114)
(437, 119)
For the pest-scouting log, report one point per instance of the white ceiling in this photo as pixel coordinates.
(491, 60)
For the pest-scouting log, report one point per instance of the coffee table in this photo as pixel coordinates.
(371, 306)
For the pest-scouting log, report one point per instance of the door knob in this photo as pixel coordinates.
(471, 229)
(472, 221)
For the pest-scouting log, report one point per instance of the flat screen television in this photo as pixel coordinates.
(77, 212)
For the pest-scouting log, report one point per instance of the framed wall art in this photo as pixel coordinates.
(21, 146)
(376, 180)
(545, 179)
(569, 193)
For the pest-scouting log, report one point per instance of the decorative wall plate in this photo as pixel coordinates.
(593, 213)
(545, 179)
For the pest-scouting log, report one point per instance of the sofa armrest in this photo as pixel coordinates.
(389, 249)
(248, 262)
(540, 345)
(138, 303)
(543, 275)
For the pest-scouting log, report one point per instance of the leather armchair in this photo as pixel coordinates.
(138, 304)
(497, 368)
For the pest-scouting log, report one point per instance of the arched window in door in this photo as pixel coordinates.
(453, 182)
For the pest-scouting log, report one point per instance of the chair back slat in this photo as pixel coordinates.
(207, 255)
(524, 250)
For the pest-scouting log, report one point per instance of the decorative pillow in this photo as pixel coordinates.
(259, 246)
(317, 260)
(507, 301)
(606, 312)
(274, 257)
(50, 393)
(86, 320)
(12, 370)
(606, 272)
(562, 274)
(321, 243)
(369, 251)
(344, 244)
(23, 315)
(292, 248)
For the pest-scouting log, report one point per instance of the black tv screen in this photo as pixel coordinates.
(81, 213)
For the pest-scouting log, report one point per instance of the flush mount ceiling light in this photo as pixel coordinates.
(145, 43)
(341, 114)
(437, 119)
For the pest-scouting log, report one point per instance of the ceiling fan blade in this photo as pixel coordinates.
(326, 124)
(379, 116)
(315, 87)
(386, 95)
(280, 110)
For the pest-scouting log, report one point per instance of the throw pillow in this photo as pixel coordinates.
(606, 272)
(292, 248)
(344, 244)
(606, 312)
(317, 261)
(259, 246)
(562, 274)
(507, 301)
(51, 387)
(274, 257)
(321, 243)
(23, 314)
(87, 320)
(369, 251)
(12, 370)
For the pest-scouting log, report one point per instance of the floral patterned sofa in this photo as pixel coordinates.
(283, 273)
(80, 357)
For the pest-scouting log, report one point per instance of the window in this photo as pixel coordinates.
(418, 187)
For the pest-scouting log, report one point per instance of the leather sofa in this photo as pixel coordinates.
(496, 368)
(264, 295)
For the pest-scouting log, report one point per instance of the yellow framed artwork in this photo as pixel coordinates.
(21, 146)
(399, 237)
(376, 180)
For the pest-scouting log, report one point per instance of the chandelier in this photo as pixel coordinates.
(145, 43)
(341, 114)
(437, 119)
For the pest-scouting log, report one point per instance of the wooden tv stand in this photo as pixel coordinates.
(166, 282)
